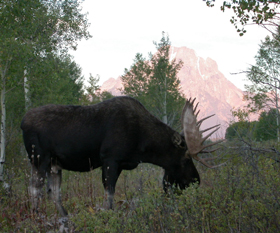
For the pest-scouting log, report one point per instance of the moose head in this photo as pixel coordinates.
(185, 172)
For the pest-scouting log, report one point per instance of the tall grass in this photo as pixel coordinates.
(242, 196)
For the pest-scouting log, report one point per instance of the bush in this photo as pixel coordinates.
(243, 195)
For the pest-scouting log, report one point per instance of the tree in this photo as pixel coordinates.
(30, 31)
(154, 82)
(263, 13)
(136, 79)
(241, 129)
(93, 94)
(264, 75)
(266, 127)
(105, 95)
(263, 93)
(58, 81)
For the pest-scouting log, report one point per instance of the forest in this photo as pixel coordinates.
(36, 69)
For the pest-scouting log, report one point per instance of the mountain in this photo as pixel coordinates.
(201, 79)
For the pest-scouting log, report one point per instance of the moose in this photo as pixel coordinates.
(116, 135)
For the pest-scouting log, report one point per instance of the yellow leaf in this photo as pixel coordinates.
(91, 210)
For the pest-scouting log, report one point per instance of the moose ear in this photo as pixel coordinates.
(178, 141)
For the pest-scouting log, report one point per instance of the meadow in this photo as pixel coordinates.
(241, 196)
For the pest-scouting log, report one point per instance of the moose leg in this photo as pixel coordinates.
(110, 175)
(35, 186)
(53, 189)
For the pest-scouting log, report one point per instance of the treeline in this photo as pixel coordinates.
(265, 129)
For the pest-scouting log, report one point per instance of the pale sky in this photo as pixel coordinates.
(122, 28)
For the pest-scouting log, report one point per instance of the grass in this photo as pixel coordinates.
(242, 196)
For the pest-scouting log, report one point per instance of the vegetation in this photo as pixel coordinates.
(264, 77)
(263, 13)
(243, 195)
(264, 129)
(34, 42)
(262, 96)
(36, 69)
(240, 129)
(155, 83)
(93, 94)
(267, 128)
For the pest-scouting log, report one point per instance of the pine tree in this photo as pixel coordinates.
(155, 83)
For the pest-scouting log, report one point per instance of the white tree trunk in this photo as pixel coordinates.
(3, 130)
(3, 124)
(277, 113)
(26, 91)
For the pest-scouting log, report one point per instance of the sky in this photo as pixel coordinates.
(121, 29)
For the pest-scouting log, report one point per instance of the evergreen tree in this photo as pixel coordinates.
(241, 129)
(58, 81)
(266, 127)
(93, 94)
(154, 82)
(105, 95)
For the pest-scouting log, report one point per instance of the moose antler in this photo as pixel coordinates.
(193, 135)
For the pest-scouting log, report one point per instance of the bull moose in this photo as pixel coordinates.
(116, 135)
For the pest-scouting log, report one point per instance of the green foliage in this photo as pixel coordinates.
(93, 88)
(32, 29)
(266, 70)
(240, 114)
(263, 92)
(93, 94)
(32, 33)
(105, 95)
(154, 83)
(34, 41)
(243, 196)
(264, 76)
(266, 128)
(263, 13)
(58, 81)
(241, 129)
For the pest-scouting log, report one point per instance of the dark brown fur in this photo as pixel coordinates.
(116, 134)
